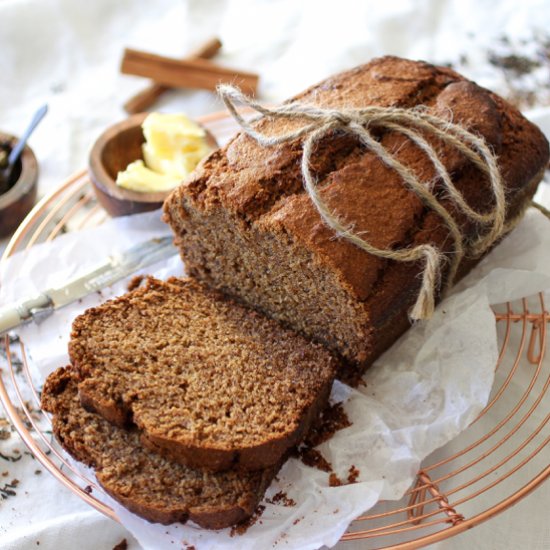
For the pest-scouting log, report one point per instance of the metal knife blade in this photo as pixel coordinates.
(113, 269)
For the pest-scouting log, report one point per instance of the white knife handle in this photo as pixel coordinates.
(9, 318)
(16, 314)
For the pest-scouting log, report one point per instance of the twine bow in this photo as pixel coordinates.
(318, 122)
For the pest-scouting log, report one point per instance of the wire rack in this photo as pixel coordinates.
(497, 461)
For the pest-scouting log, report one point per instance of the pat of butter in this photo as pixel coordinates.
(173, 147)
(138, 177)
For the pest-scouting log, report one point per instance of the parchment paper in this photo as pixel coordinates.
(419, 395)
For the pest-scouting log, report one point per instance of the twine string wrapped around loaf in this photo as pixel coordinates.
(319, 122)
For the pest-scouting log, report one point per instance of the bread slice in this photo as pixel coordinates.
(244, 224)
(208, 382)
(150, 486)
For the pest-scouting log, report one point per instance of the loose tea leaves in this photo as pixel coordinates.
(519, 69)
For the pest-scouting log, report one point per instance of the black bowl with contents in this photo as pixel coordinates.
(18, 191)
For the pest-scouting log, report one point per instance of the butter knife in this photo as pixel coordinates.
(113, 269)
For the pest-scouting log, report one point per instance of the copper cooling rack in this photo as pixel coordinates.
(497, 461)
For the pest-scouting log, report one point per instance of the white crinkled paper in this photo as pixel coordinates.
(419, 395)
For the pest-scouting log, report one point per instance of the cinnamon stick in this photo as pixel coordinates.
(188, 73)
(144, 99)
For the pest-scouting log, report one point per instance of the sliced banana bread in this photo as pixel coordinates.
(244, 224)
(208, 382)
(147, 484)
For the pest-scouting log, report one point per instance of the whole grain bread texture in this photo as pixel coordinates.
(208, 383)
(149, 485)
(244, 224)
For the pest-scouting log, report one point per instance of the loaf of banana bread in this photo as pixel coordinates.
(208, 382)
(244, 224)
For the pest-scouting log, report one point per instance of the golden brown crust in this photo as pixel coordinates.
(254, 198)
(144, 482)
(211, 383)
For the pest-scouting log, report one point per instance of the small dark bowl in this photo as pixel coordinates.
(117, 147)
(19, 199)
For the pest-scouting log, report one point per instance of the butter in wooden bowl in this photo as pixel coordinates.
(136, 163)
(174, 145)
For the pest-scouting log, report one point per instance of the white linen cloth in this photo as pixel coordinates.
(68, 52)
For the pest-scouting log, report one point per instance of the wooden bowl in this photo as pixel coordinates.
(18, 201)
(117, 147)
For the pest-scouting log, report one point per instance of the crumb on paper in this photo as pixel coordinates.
(243, 527)
(281, 498)
(334, 480)
(314, 459)
(353, 474)
(88, 489)
(333, 419)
